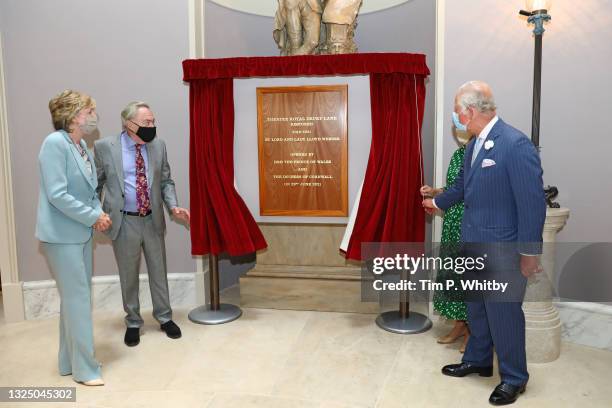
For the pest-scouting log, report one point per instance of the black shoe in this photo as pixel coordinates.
(132, 336)
(505, 394)
(171, 329)
(463, 369)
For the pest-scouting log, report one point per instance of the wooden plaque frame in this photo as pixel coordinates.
(341, 113)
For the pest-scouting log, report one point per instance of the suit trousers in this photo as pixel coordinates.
(499, 325)
(138, 235)
(71, 266)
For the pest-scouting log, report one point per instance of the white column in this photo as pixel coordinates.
(542, 322)
(12, 291)
(439, 175)
(197, 10)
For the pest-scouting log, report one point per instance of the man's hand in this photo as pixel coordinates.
(104, 222)
(428, 191)
(429, 206)
(182, 214)
(530, 265)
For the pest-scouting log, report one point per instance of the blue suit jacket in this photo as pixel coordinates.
(504, 202)
(67, 203)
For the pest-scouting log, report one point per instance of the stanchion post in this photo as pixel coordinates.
(215, 312)
(213, 267)
(403, 321)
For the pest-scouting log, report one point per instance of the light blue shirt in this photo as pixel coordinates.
(128, 151)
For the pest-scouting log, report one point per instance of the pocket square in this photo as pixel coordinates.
(488, 163)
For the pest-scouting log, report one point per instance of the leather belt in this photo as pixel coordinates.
(137, 214)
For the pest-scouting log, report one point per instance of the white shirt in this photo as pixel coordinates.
(487, 129)
(479, 142)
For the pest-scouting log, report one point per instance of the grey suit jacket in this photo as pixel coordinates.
(109, 166)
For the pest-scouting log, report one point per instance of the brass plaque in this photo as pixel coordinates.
(303, 150)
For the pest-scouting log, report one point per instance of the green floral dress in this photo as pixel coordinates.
(450, 304)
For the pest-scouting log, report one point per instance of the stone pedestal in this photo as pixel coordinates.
(302, 269)
(304, 251)
(542, 322)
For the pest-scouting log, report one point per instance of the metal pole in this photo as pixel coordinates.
(404, 306)
(213, 267)
(403, 321)
(215, 312)
(538, 18)
(537, 91)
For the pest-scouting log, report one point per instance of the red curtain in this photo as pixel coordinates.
(305, 65)
(220, 220)
(390, 207)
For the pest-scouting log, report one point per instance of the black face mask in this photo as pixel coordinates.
(147, 134)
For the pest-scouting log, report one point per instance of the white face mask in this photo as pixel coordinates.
(90, 125)
(463, 137)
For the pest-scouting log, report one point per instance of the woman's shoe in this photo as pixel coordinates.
(93, 383)
(458, 331)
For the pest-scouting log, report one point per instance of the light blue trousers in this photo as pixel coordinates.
(71, 266)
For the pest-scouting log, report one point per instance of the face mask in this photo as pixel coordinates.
(90, 125)
(460, 126)
(147, 134)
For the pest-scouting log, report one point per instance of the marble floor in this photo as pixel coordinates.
(278, 359)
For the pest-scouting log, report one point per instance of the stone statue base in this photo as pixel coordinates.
(542, 322)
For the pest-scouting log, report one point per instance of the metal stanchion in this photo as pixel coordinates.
(403, 321)
(215, 312)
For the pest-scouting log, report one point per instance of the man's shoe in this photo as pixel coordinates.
(505, 394)
(463, 369)
(171, 329)
(132, 336)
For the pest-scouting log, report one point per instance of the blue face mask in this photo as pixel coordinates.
(460, 126)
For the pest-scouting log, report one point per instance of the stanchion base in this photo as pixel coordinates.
(205, 315)
(393, 322)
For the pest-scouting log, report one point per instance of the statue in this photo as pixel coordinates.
(297, 26)
(340, 22)
(305, 27)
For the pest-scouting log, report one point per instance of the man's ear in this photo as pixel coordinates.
(130, 126)
(470, 113)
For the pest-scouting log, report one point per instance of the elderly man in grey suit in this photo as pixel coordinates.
(134, 182)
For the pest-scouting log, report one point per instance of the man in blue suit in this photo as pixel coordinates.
(501, 186)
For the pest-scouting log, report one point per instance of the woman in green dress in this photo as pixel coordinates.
(450, 304)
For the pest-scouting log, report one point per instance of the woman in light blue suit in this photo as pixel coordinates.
(68, 211)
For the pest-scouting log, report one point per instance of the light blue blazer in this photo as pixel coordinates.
(68, 205)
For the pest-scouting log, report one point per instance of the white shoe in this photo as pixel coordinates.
(94, 383)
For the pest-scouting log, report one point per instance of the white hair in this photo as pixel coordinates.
(130, 110)
(478, 95)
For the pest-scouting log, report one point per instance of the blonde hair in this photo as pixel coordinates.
(66, 105)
